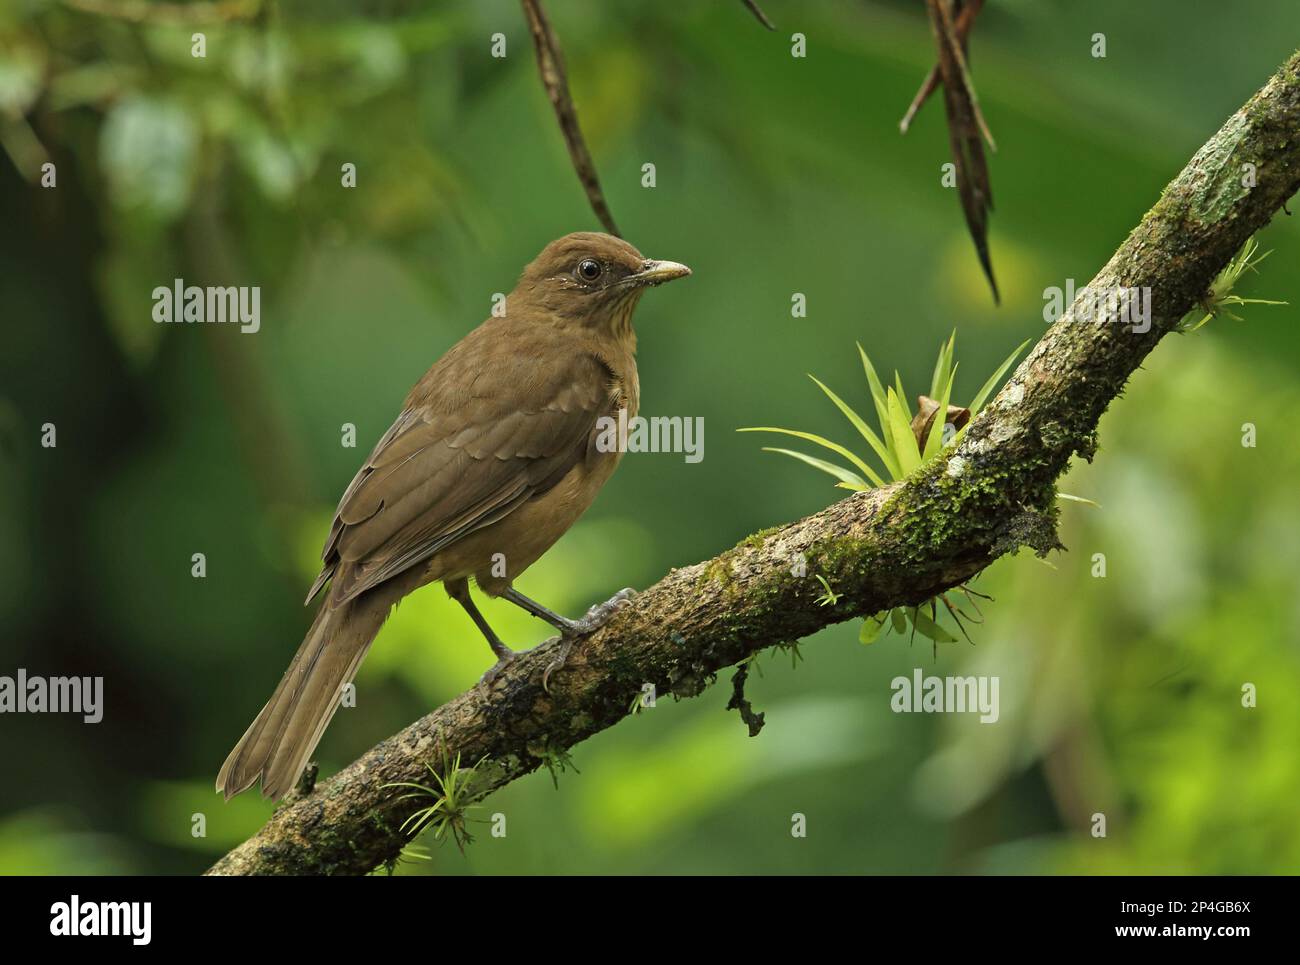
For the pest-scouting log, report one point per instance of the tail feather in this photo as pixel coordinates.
(279, 742)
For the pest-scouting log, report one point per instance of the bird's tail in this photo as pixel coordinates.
(279, 742)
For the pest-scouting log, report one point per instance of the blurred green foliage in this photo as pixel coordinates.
(775, 175)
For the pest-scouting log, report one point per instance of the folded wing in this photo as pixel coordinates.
(461, 457)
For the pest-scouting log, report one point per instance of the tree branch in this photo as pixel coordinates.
(878, 549)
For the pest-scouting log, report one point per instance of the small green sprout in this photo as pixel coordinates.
(751, 663)
(557, 760)
(411, 852)
(830, 597)
(1216, 301)
(792, 648)
(637, 703)
(451, 797)
(899, 446)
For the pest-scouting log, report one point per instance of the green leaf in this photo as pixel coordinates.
(899, 620)
(900, 431)
(827, 444)
(849, 479)
(994, 380)
(860, 424)
(149, 153)
(872, 626)
(934, 441)
(937, 376)
(275, 164)
(877, 390)
(928, 628)
(1077, 499)
(21, 77)
(942, 366)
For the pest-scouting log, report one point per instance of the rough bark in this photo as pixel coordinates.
(877, 549)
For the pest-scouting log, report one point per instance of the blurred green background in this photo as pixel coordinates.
(774, 175)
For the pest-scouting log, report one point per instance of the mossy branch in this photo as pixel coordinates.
(879, 549)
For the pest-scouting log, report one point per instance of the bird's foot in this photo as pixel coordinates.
(595, 618)
(598, 615)
(504, 658)
(566, 644)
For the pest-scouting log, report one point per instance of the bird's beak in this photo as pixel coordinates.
(658, 272)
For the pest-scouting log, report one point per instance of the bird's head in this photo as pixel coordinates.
(591, 279)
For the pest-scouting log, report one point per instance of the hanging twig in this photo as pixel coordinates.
(550, 64)
(958, 50)
(965, 20)
(757, 11)
(964, 128)
(739, 702)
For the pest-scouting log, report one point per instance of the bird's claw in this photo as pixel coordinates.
(595, 618)
(566, 644)
(600, 614)
(490, 675)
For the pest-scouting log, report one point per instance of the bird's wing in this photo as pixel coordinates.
(463, 458)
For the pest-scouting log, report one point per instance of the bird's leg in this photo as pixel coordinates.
(459, 591)
(595, 618)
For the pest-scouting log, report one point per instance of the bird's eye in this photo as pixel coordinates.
(589, 269)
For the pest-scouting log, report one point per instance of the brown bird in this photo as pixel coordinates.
(492, 459)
